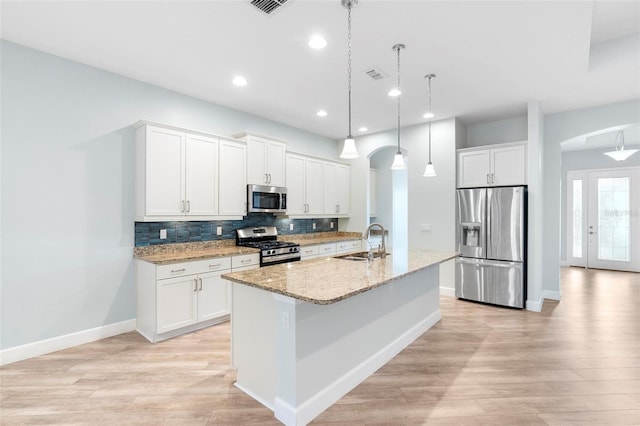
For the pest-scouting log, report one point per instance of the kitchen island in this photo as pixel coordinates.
(306, 333)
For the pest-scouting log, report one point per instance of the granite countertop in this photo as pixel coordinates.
(181, 252)
(341, 278)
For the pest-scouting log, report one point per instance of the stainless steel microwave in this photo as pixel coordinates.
(266, 199)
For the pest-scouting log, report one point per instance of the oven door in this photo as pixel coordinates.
(266, 199)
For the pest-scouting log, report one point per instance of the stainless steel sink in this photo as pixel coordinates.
(359, 256)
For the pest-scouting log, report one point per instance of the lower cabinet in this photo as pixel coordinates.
(329, 249)
(182, 297)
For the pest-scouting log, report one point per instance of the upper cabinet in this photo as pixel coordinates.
(184, 175)
(233, 178)
(336, 191)
(304, 185)
(265, 159)
(176, 174)
(493, 165)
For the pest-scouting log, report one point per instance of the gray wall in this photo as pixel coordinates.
(67, 214)
(585, 160)
(493, 132)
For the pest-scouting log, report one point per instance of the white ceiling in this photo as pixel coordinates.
(490, 58)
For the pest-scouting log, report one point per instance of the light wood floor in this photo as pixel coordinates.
(576, 363)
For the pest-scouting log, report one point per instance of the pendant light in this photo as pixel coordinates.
(620, 154)
(429, 171)
(398, 160)
(349, 150)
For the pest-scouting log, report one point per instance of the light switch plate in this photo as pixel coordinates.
(163, 234)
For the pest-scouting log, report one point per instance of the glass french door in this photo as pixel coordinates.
(603, 223)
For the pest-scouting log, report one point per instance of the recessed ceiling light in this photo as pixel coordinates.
(239, 81)
(317, 42)
(362, 129)
(428, 115)
(395, 92)
(321, 113)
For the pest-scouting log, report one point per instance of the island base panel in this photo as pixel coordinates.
(298, 358)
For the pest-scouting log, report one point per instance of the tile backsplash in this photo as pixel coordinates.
(148, 233)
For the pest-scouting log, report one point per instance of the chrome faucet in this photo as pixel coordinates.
(382, 250)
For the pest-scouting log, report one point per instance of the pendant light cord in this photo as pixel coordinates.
(430, 112)
(349, 64)
(398, 49)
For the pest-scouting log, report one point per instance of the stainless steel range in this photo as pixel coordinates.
(265, 238)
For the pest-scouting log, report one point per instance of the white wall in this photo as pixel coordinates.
(499, 131)
(431, 200)
(67, 219)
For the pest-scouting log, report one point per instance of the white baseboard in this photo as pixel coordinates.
(535, 305)
(564, 263)
(553, 295)
(30, 350)
(311, 408)
(448, 291)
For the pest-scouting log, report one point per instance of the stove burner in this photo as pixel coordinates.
(271, 250)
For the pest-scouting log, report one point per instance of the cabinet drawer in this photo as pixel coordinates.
(245, 260)
(176, 270)
(212, 265)
(308, 251)
(347, 246)
(327, 249)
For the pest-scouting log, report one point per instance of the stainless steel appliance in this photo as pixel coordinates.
(265, 238)
(491, 237)
(266, 199)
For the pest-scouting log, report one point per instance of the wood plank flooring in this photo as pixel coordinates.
(576, 363)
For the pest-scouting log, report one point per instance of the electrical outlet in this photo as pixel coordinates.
(163, 234)
(425, 227)
(331, 225)
(291, 227)
(314, 225)
(285, 320)
(219, 230)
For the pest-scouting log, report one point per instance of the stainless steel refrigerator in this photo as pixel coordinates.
(491, 235)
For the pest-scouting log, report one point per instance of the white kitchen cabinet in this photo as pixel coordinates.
(233, 178)
(336, 178)
(494, 165)
(373, 196)
(348, 246)
(181, 297)
(308, 252)
(330, 249)
(265, 159)
(304, 185)
(176, 174)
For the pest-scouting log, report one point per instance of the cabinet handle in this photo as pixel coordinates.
(245, 261)
(173, 271)
(188, 206)
(217, 265)
(266, 178)
(488, 181)
(182, 208)
(493, 178)
(269, 177)
(195, 285)
(200, 279)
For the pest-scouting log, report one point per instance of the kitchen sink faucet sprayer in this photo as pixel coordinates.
(383, 249)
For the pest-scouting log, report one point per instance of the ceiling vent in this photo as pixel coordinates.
(376, 74)
(268, 6)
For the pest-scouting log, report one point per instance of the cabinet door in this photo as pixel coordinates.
(164, 172)
(233, 178)
(213, 296)
(295, 184)
(343, 188)
(201, 175)
(314, 186)
(508, 165)
(176, 303)
(276, 163)
(330, 189)
(256, 161)
(473, 168)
